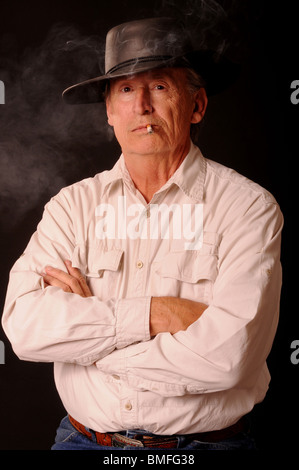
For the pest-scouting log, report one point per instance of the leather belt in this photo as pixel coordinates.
(165, 442)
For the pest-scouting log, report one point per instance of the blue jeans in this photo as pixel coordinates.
(68, 438)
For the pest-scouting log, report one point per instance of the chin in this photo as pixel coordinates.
(144, 148)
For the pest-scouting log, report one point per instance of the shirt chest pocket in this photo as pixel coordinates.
(187, 274)
(102, 268)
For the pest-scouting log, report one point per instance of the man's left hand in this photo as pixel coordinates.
(70, 281)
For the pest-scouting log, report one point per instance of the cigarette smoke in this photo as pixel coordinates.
(224, 26)
(46, 144)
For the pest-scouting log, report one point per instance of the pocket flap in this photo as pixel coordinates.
(188, 266)
(93, 261)
(108, 260)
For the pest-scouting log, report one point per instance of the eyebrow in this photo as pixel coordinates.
(155, 74)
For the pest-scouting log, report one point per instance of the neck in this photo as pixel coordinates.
(150, 172)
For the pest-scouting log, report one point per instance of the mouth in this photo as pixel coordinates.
(144, 128)
(149, 129)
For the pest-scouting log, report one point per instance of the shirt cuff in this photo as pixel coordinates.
(132, 321)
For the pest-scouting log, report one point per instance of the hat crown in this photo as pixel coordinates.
(147, 39)
(143, 45)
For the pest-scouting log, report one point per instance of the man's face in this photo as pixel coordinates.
(160, 98)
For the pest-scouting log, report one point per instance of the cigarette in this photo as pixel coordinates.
(150, 130)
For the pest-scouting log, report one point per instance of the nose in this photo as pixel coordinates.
(143, 104)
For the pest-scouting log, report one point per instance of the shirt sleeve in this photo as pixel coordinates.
(48, 324)
(228, 345)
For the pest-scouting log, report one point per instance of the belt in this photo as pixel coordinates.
(165, 442)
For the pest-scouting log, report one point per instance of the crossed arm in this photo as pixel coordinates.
(168, 314)
(228, 346)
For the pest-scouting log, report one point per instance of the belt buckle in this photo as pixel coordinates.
(118, 440)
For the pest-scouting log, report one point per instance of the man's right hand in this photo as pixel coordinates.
(172, 314)
(168, 314)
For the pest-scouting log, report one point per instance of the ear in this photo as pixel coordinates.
(109, 112)
(200, 105)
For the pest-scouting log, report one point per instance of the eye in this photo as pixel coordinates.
(125, 89)
(160, 87)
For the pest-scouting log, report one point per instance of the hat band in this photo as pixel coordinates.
(138, 60)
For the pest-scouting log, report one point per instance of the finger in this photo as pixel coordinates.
(53, 281)
(76, 273)
(63, 279)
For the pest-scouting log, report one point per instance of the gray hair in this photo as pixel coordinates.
(195, 82)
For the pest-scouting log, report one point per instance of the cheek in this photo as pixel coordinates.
(180, 111)
(116, 120)
(119, 131)
(181, 121)
(116, 112)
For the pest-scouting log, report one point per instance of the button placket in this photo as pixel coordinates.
(139, 264)
(141, 260)
(128, 405)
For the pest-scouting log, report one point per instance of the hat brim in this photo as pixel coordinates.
(217, 72)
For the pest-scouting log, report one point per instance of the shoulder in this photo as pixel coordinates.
(87, 185)
(234, 184)
(88, 190)
(233, 200)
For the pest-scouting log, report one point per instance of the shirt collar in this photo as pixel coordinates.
(117, 173)
(191, 174)
(189, 177)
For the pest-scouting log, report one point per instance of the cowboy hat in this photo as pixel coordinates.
(142, 45)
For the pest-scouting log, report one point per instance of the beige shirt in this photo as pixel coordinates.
(109, 373)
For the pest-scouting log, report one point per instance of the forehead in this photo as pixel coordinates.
(175, 76)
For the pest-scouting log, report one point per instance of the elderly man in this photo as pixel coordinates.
(153, 287)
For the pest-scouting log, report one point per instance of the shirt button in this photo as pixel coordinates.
(128, 406)
(139, 264)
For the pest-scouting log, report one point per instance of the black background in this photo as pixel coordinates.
(45, 145)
